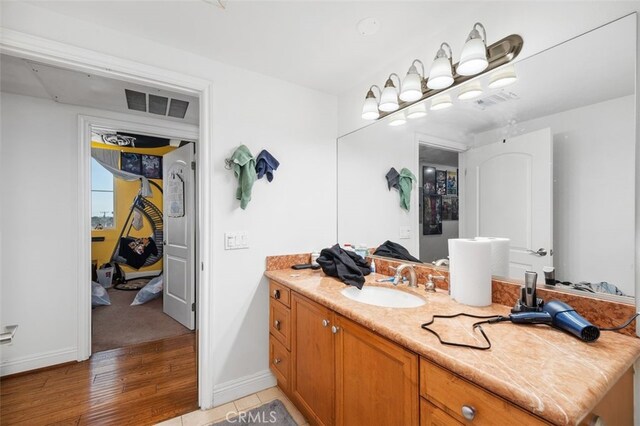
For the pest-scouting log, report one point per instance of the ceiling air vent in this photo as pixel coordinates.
(158, 104)
(495, 99)
(178, 108)
(136, 101)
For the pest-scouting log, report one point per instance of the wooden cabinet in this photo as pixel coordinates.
(312, 366)
(376, 380)
(280, 334)
(466, 402)
(430, 415)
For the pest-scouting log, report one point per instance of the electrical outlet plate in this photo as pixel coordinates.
(236, 240)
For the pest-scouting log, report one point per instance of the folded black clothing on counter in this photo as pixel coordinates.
(394, 251)
(346, 265)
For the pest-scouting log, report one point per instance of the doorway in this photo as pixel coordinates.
(143, 239)
(95, 63)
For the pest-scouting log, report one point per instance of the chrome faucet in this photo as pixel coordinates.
(441, 262)
(413, 280)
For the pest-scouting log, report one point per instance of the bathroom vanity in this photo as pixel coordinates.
(347, 363)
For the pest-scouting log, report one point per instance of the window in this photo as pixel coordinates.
(102, 197)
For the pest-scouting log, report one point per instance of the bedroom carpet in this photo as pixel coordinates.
(120, 324)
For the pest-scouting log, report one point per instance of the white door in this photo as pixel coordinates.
(509, 193)
(179, 235)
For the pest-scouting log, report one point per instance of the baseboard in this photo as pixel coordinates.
(247, 385)
(41, 360)
(141, 274)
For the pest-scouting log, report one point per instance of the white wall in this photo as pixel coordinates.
(594, 166)
(367, 211)
(434, 247)
(542, 25)
(294, 213)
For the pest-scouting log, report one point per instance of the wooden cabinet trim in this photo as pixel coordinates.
(280, 363)
(430, 415)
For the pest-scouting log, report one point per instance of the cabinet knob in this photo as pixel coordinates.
(276, 294)
(335, 329)
(276, 324)
(325, 323)
(276, 361)
(468, 412)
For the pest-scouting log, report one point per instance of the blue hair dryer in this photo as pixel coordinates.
(566, 318)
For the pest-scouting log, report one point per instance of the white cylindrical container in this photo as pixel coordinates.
(499, 255)
(470, 271)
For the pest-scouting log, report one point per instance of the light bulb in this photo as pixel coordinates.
(441, 102)
(503, 77)
(470, 91)
(417, 111)
(398, 120)
(389, 96)
(412, 84)
(441, 73)
(370, 107)
(473, 58)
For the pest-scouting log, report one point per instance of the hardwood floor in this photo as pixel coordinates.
(140, 385)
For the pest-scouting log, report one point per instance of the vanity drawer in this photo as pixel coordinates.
(455, 395)
(280, 323)
(430, 415)
(279, 361)
(280, 293)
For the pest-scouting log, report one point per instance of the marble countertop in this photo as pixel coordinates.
(541, 369)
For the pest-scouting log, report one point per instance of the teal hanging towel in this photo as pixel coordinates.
(406, 184)
(244, 168)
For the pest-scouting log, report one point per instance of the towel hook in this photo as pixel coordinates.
(227, 163)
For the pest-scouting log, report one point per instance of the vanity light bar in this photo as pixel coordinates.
(498, 54)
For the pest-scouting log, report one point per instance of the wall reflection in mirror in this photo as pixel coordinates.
(541, 151)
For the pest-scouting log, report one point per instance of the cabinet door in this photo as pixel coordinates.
(312, 353)
(376, 380)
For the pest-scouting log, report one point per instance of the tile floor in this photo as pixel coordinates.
(202, 418)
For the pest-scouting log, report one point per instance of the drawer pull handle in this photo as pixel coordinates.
(468, 412)
(276, 324)
(276, 361)
(276, 294)
(325, 323)
(335, 329)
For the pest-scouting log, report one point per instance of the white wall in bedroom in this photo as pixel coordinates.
(294, 213)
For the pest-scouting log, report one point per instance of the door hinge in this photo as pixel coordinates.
(193, 165)
(193, 307)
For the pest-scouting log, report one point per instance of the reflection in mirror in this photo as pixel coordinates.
(541, 152)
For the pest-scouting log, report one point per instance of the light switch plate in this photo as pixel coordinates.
(236, 240)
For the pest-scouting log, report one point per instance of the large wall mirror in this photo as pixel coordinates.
(548, 161)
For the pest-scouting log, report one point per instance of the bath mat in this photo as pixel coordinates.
(132, 285)
(273, 413)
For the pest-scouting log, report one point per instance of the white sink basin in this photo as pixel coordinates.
(382, 296)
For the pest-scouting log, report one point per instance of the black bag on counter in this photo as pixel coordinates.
(345, 265)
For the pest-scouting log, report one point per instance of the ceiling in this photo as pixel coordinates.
(315, 44)
(65, 86)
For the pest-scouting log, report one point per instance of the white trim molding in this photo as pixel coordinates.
(247, 385)
(63, 55)
(40, 360)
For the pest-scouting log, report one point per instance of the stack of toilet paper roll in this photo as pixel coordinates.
(472, 262)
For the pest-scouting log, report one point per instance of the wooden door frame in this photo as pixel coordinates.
(15, 43)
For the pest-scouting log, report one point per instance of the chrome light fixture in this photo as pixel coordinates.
(473, 58)
(476, 58)
(370, 107)
(503, 77)
(441, 74)
(389, 96)
(412, 83)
